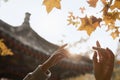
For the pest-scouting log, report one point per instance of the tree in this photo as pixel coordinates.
(110, 14)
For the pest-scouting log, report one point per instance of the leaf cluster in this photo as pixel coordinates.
(110, 13)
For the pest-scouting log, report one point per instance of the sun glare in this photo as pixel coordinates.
(53, 26)
(78, 49)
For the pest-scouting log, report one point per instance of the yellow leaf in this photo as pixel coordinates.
(94, 20)
(89, 29)
(4, 50)
(116, 5)
(74, 20)
(89, 24)
(108, 20)
(85, 21)
(111, 17)
(50, 4)
(115, 34)
(92, 2)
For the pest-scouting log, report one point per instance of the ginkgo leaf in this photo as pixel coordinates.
(50, 4)
(92, 3)
(116, 5)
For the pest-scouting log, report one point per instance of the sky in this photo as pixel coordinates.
(53, 26)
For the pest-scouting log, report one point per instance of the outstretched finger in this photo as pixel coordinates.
(98, 44)
(61, 47)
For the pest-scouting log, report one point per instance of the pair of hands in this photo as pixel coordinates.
(103, 61)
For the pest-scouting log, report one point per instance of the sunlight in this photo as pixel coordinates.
(54, 23)
(53, 26)
(79, 48)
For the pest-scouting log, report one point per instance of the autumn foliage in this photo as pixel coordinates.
(110, 13)
(50, 4)
(4, 49)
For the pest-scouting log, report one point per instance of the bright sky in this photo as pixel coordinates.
(53, 26)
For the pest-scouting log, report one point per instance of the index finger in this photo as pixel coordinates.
(98, 44)
(63, 46)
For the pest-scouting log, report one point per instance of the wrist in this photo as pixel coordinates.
(45, 71)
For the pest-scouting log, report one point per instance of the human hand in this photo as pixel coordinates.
(103, 62)
(54, 58)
